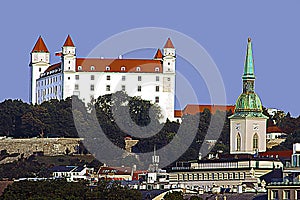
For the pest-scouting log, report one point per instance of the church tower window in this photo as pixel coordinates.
(238, 142)
(255, 141)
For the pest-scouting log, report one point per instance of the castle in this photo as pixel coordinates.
(88, 78)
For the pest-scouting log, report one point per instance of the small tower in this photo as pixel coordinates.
(158, 55)
(40, 61)
(248, 123)
(69, 55)
(169, 57)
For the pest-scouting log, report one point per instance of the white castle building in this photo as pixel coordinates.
(88, 78)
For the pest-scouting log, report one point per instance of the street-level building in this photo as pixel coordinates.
(235, 174)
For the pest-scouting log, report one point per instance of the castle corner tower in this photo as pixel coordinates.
(39, 62)
(248, 123)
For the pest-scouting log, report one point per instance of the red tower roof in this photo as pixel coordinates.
(40, 46)
(158, 54)
(169, 44)
(69, 42)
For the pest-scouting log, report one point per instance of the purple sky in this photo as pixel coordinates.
(221, 28)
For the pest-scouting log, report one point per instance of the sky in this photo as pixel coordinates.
(221, 27)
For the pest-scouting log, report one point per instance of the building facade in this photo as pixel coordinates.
(248, 123)
(88, 78)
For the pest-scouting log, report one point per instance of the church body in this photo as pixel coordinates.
(248, 123)
(88, 78)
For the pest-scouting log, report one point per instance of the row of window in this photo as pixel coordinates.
(123, 68)
(49, 90)
(123, 87)
(254, 142)
(211, 176)
(48, 81)
(108, 77)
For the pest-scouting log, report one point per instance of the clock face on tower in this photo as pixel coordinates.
(238, 126)
(255, 127)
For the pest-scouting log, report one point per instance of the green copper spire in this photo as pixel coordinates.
(248, 104)
(249, 65)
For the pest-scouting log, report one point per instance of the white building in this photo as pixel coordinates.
(88, 78)
(72, 173)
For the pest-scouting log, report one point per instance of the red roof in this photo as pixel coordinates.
(194, 109)
(53, 67)
(69, 42)
(169, 44)
(115, 170)
(116, 65)
(178, 113)
(40, 46)
(279, 154)
(158, 54)
(274, 129)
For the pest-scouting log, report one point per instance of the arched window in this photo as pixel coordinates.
(123, 68)
(107, 68)
(238, 142)
(255, 141)
(138, 69)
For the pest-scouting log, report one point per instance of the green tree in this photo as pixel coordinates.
(174, 196)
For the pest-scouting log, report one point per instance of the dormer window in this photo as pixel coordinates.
(79, 67)
(123, 68)
(92, 68)
(107, 68)
(157, 69)
(138, 69)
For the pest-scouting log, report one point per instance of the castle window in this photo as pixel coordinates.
(157, 78)
(79, 67)
(157, 88)
(169, 63)
(107, 87)
(169, 79)
(156, 99)
(92, 87)
(139, 78)
(107, 68)
(92, 68)
(76, 86)
(123, 68)
(138, 69)
(157, 69)
(69, 62)
(69, 78)
(123, 78)
(139, 88)
(238, 142)
(255, 141)
(123, 87)
(108, 78)
(77, 77)
(92, 77)
(40, 69)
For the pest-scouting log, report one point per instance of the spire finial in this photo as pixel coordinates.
(249, 64)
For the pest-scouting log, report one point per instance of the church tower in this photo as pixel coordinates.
(40, 61)
(248, 123)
